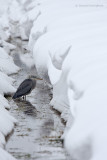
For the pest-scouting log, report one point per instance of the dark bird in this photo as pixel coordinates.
(26, 87)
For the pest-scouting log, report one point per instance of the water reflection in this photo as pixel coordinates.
(26, 107)
(47, 127)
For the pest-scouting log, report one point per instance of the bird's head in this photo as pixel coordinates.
(35, 77)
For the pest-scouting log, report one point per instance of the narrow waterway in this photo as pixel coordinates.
(37, 134)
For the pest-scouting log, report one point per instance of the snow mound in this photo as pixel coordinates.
(69, 49)
(6, 63)
(5, 156)
(68, 40)
(7, 67)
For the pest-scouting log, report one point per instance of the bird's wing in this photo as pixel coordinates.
(24, 88)
(24, 84)
(23, 92)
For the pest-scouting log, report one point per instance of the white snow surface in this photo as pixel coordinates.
(68, 41)
(5, 156)
(69, 44)
(7, 67)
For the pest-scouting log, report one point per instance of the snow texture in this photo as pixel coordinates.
(69, 44)
(7, 67)
(68, 41)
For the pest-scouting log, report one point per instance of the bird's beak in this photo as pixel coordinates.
(38, 79)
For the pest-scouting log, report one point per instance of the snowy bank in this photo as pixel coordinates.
(68, 41)
(7, 67)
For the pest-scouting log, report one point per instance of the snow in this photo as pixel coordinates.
(7, 67)
(5, 156)
(6, 63)
(27, 59)
(4, 5)
(68, 40)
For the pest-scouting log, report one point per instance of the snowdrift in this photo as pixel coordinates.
(7, 67)
(68, 41)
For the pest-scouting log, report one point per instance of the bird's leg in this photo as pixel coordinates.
(25, 97)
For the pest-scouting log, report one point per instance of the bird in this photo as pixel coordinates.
(26, 87)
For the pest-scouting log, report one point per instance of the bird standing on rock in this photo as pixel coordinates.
(26, 87)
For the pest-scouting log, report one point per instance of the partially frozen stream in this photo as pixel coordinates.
(37, 135)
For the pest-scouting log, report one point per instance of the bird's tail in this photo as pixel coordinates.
(15, 96)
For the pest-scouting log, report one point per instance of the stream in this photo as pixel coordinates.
(37, 134)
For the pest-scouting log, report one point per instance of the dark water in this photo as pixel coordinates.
(37, 135)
